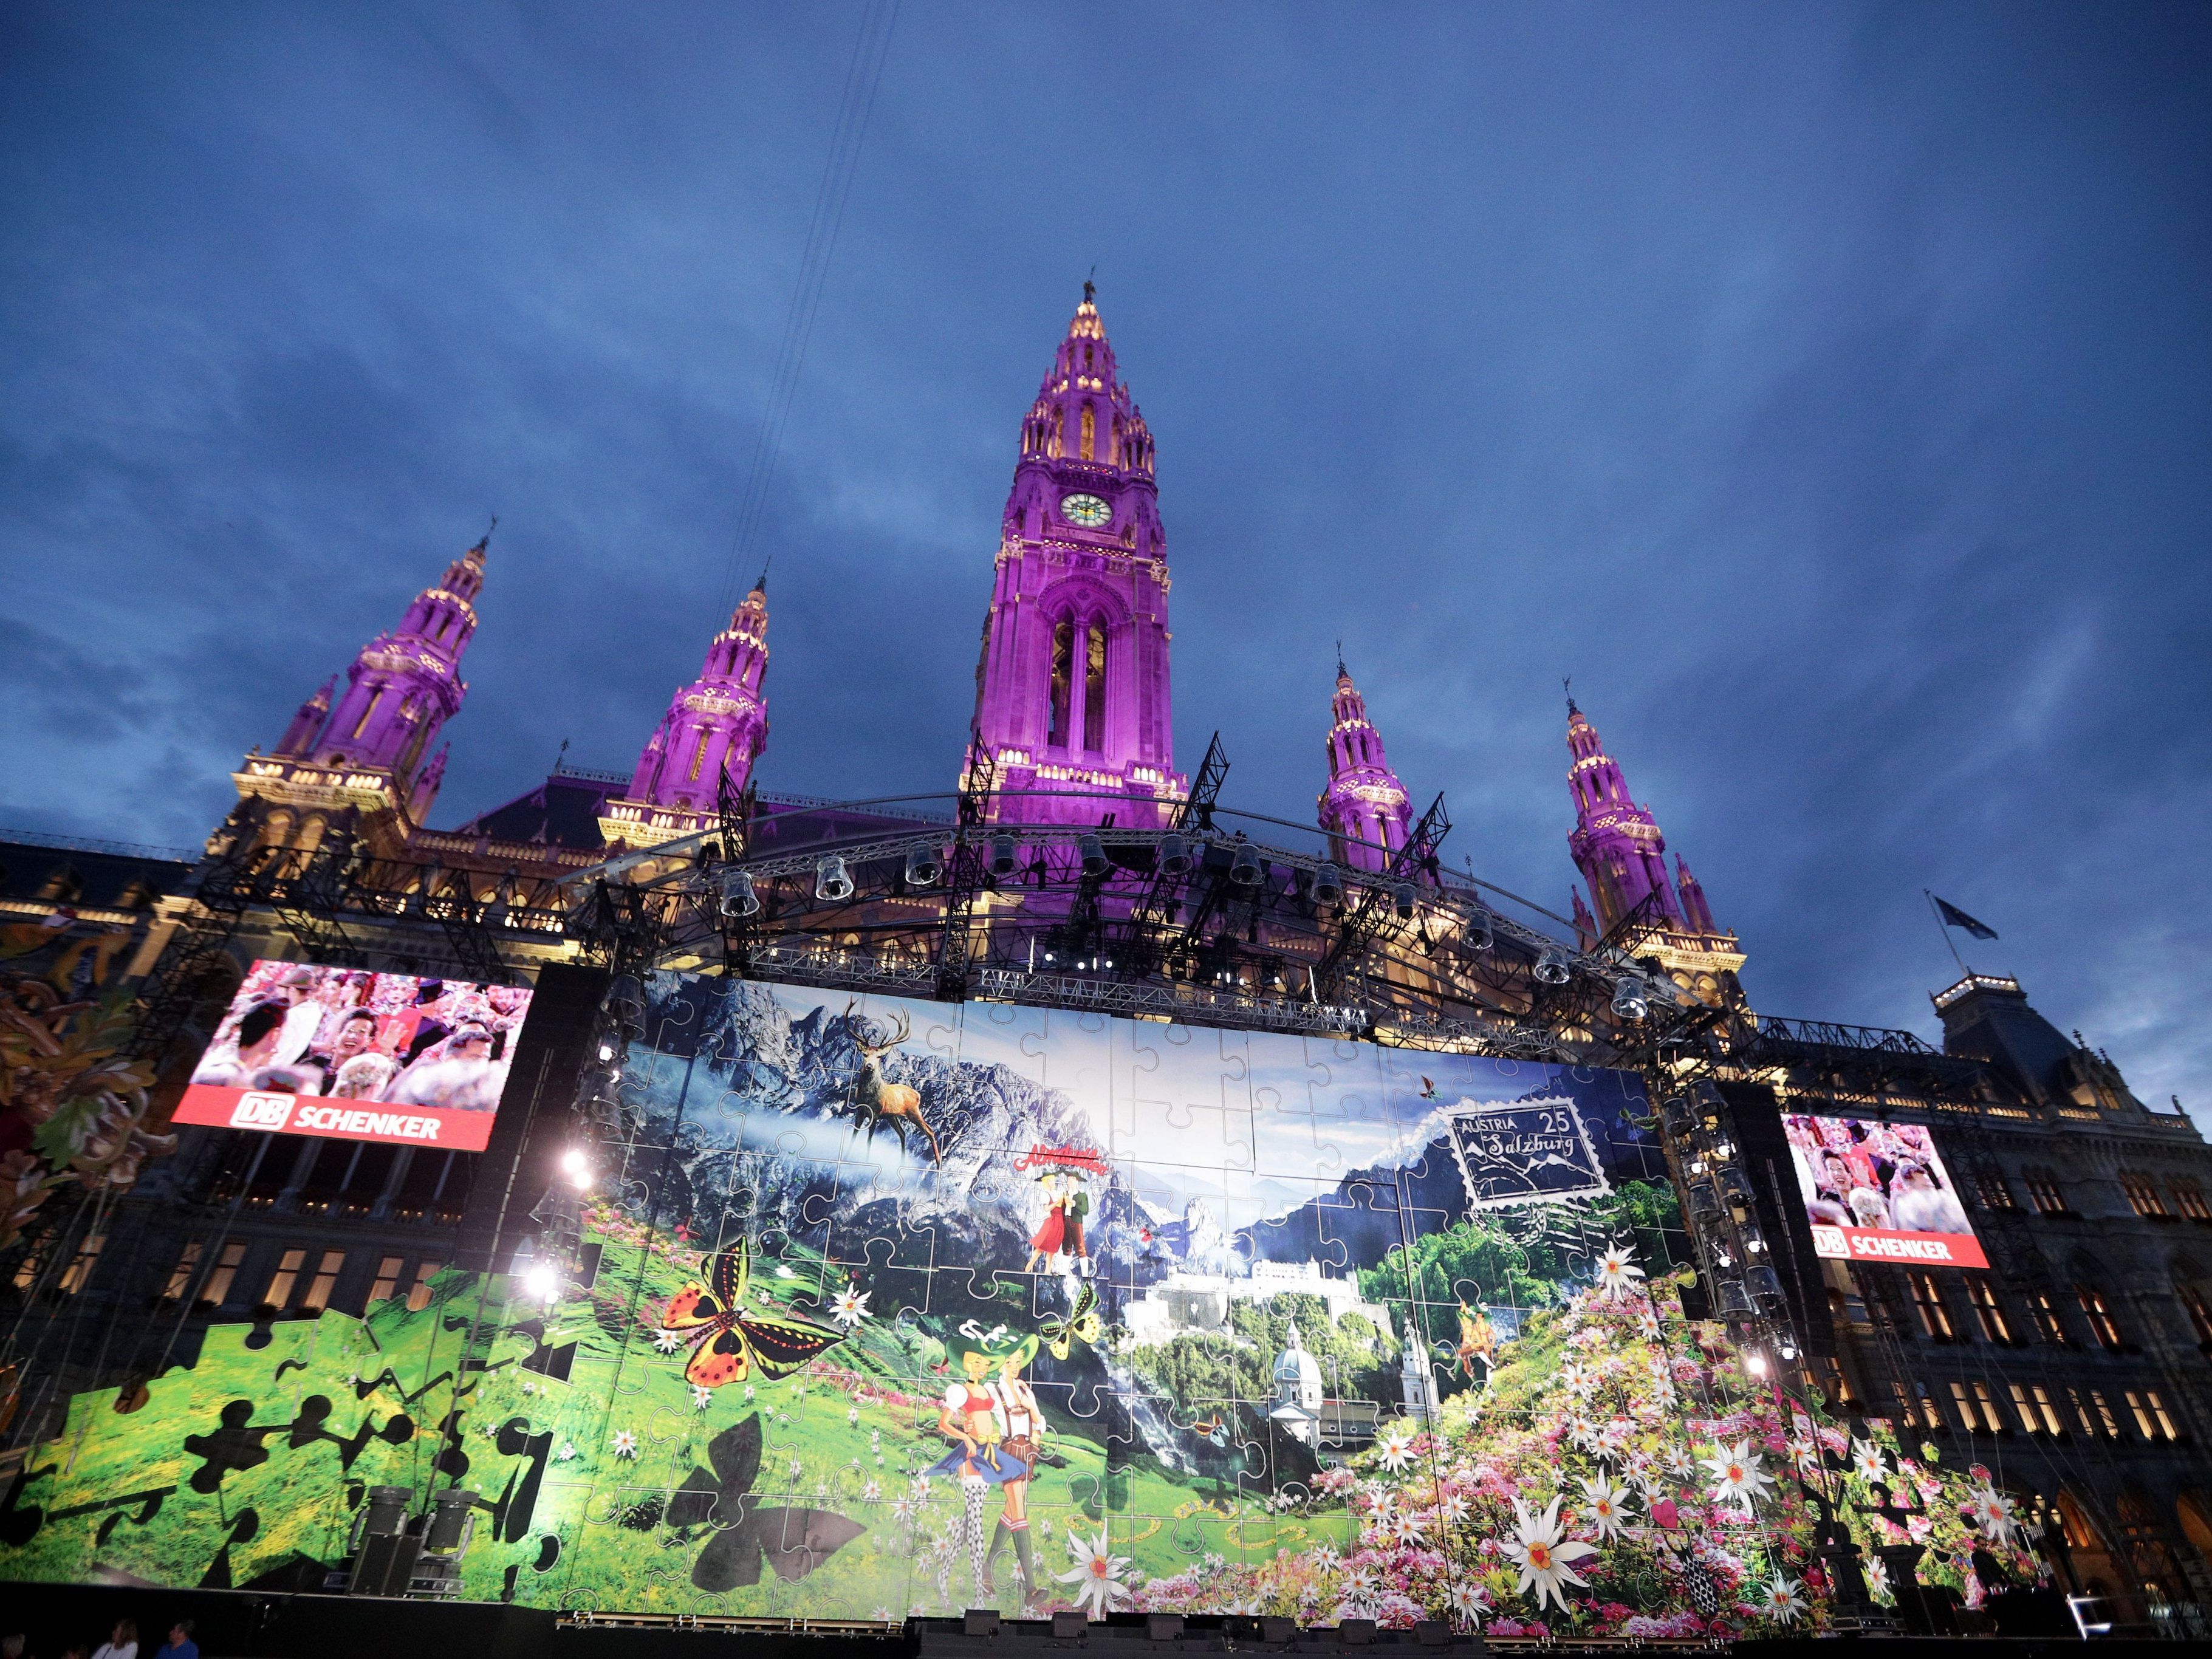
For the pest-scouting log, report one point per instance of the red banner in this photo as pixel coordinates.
(1901, 1249)
(337, 1118)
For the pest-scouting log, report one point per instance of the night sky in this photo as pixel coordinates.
(1824, 388)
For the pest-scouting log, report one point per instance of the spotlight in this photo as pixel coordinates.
(1328, 884)
(1756, 1364)
(606, 1052)
(1093, 851)
(1402, 899)
(1244, 869)
(1003, 856)
(739, 898)
(1477, 935)
(1175, 854)
(541, 1280)
(1630, 1000)
(832, 880)
(924, 865)
(1551, 966)
(574, 1160)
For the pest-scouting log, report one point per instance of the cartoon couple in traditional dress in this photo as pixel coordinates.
(991, 1416)
(1066, 1205)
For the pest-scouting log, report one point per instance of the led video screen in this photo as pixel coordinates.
(342, 1053)
(1879, 1192)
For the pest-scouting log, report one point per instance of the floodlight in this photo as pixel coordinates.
(739, 898)
(832, 880)
(1328, 885)
(1551, 966)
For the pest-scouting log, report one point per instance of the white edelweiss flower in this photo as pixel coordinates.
(1806, 1454)
(625, 1443)
(1737, 1476)
(1647, 1324)
(1547, 1562)
(668, 1341)
(1408, 1527)
(1467, 1602)
(701, 1396)
(853, 1416)
(567, 1452)
(904, 1509)
(1868, 1462)
(1617, 1274)
(1992, 1513)
(1877, 1577)
(1455, 1508)
(1095, 1573)
(1607, 1505)
(1778, 1599)
(1395, 1450)
(796, 1468)
(849, 1308)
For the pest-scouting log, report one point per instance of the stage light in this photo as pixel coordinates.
(1003, 856)
(924, 865)
(1328, 884)
(1175, 854)
(1756, 1364)
(1244, 868)
(606, 1052)
(574, 1160)
(1755, 1242)
(832, 881)
(1551, 966)
(1629, 1000)
(1787, 1348)
(1477, 935)
(1093, 854)
(1402, 899)
(739, 898)
(541, 1280)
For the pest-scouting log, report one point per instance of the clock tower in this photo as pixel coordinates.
(1071, 703)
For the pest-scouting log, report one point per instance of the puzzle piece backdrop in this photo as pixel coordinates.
(895, 1307)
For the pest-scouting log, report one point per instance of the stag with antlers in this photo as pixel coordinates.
(877, 1102)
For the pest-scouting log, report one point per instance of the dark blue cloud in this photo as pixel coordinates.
(1825, 389)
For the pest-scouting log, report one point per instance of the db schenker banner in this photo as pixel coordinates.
(1879, 1192)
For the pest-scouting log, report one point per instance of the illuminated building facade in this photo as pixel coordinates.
(2075, 1366)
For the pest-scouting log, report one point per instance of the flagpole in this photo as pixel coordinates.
(1943, 928)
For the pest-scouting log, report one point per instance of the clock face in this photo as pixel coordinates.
(1087, 510)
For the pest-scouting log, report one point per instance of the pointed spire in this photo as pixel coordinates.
(717, 724)
(1364, 809)
(1695, 910)
(402, 687)
(306, 724)
(1615, 843)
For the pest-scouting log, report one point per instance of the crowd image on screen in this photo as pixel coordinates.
(359, 1036)
(1882, 1176)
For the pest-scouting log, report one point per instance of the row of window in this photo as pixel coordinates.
(293, 1286)
(2046, 1197)
(1932, 1312)
(2089, 1411)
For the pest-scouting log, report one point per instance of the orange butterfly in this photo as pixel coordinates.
(728, 1344)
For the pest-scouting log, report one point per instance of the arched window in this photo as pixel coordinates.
(1063, 674)
(1090, 431)
(368, 713)
(699, 757)
(1094, 689)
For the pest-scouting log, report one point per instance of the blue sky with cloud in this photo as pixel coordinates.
(1825, 389)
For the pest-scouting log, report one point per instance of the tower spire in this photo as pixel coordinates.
(715, 727)
(401, 688)
(1071, 689)
(1364, 809)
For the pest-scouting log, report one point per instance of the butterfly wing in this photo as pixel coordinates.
(732, 1272)
(691, 1307)
(780, 1346)
(723, 1358)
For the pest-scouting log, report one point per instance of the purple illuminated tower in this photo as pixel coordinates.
(367, 750)
(716, 725)
(1364, 809)
(1072, 699)
(1617, 845)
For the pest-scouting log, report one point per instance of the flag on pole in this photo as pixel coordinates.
(1954, 917)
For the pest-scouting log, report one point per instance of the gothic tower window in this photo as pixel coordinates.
(375, 698)
(1090, 431)
(699, 757)
(1094, 689)
(1063, 671)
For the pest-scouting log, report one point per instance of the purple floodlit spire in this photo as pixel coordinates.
(1695, 910)
(400, 691)
(1615, 843)
(306, 726)
(1585, 924)
(1364, 809)
(717, 723)
(1072, 697)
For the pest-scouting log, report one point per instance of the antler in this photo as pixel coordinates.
(899, 1035)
